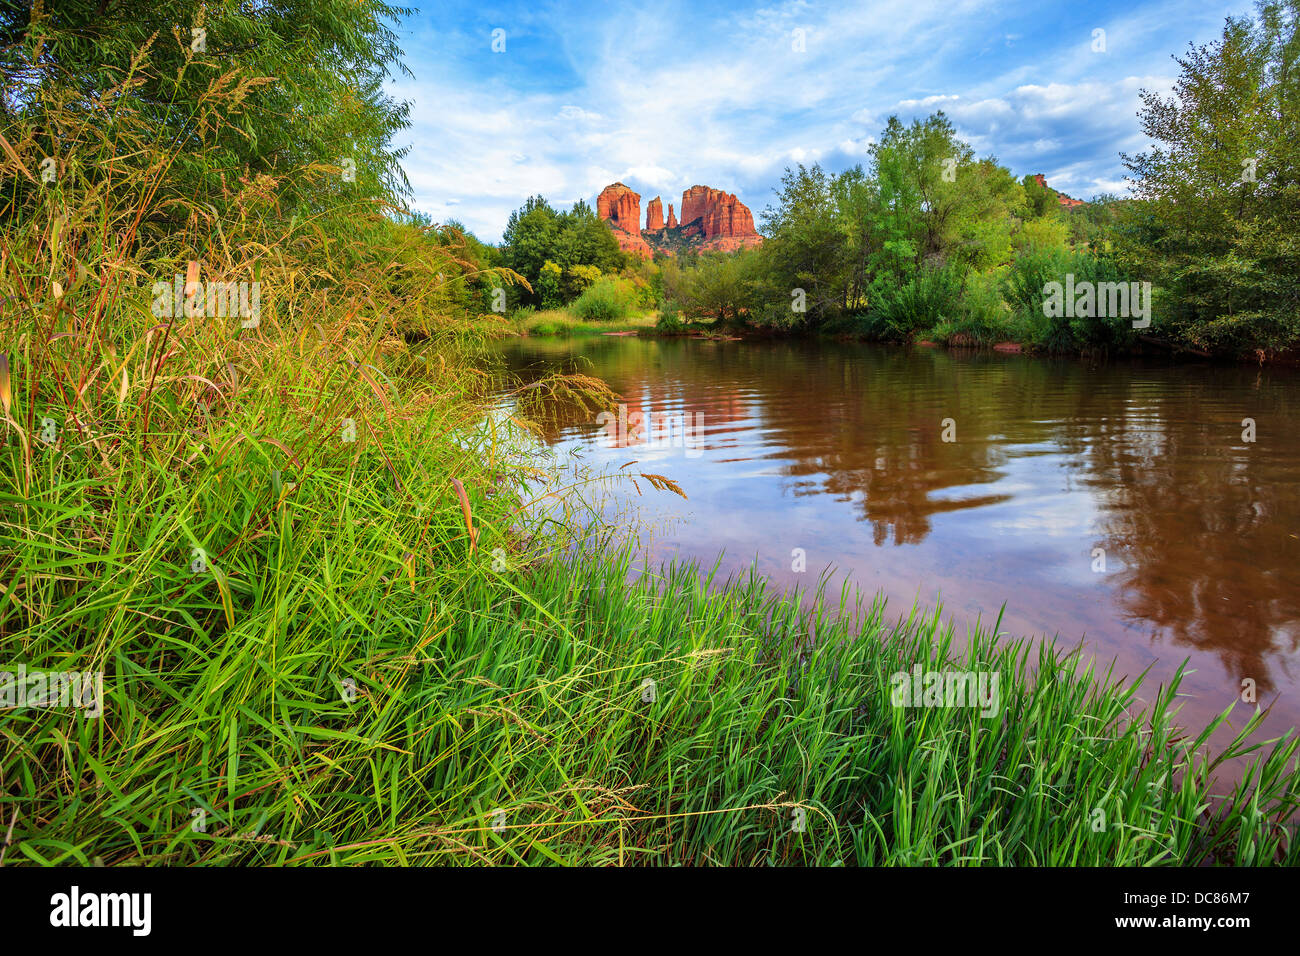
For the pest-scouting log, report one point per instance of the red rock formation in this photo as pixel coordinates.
(725, 222)
(654, 215)
(621, 208)
(712, 218)
(1061, 198)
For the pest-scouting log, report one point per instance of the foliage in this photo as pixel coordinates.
(1218, 196)
(930, 296)
(903, 233)
(303, 83)
(548, 284)
(670, 321)
(1030, 275)
(608, 299)
(578, 242)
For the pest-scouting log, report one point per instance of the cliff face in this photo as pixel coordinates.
(654, 215)
(721, 215)
(711, 219)
(621, 208)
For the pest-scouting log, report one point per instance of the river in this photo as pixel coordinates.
(1146, 509)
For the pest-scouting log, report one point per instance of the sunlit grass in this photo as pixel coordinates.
(562, 322)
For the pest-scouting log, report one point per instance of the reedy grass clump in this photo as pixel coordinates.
(505, 717)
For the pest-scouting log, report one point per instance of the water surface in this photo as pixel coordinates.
(1114, 503)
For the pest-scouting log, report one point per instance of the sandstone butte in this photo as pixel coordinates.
(621, 208)
(721, 220)
(654, 215)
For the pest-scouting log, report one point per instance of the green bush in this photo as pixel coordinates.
(670, 321)
(1029, 276)
(930, 296)
(606, 300)
(982, 318)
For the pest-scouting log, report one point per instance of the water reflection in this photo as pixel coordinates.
(1115, 503)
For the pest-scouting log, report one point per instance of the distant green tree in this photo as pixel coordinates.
(536, 234)
(1039, 200)
(548, 285)
(530, 241)
(938, 203)
(719, 290)
(586, 240)
(805, 252)
(837, 240)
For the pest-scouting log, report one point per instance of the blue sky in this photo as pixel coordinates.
(662, 96)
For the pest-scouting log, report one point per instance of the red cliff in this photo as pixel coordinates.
(654, 215)
(724, 221)
(1061, 198)
(621, 208)
(711, 219)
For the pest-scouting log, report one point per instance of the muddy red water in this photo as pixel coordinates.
(1146, 509)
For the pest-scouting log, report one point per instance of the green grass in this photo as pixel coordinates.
(514, 680)
(563, 323)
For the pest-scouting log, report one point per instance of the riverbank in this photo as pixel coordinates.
(317, 650)
(561, 323)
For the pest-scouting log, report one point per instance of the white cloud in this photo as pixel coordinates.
(668, 97)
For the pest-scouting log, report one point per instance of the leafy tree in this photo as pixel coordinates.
(1039, 200)
(548, 285)
(577, 241)
(719, 290)
(925, 200)
(579, 278)
(857, 207)
(531, 238)
(308, 75)
(585, 239)
(1218, 197)
(941, 204)
(805, 250)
